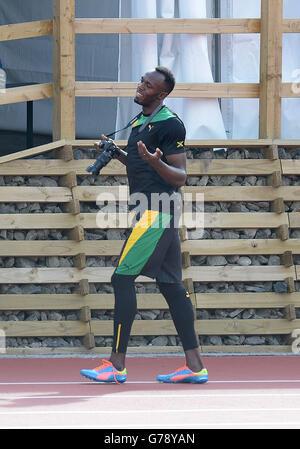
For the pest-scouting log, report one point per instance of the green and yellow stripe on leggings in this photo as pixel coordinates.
(142, 242)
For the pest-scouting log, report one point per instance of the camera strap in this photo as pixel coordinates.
(127, 126)
(144, 125)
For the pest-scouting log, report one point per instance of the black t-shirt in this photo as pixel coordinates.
(166, 132)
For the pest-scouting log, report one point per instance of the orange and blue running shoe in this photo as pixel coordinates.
(105, 372)
(184, 375)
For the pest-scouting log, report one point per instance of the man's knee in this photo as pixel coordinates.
(119, 280)
(170, 289)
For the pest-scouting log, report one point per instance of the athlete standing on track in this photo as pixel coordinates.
(156, 168)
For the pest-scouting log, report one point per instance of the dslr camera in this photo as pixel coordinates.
(110, 151)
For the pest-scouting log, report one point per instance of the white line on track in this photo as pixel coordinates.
(154, 382)
(150, 396)
(231, 425)
(251, 425)
(122, 412)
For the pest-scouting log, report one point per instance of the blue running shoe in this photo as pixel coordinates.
(105, 373)
(184, 375)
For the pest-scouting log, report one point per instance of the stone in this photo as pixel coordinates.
(216, 260)
(280, 287)
(159, 341)
(244, 261)
(255, 340)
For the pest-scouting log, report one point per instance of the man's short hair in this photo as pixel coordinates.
(169, 77)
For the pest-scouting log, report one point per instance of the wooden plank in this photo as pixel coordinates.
(204, 327)
(246, 220)
(270, 68)
(246, 300)
(233, 273)
(31, 152)
(290, 312)
(216, 90)
(40, 221)
(26, 93)
(95, 193)
(87, 143)
(294, 219)
(287, 258)
(283, 232)
(243, 193)
(246, 349)
(291, 26)
(246, 327)
(83, 287)
(247, 247)
(13, 194)
(297, 268)
(103, 274)
(57, 167)
(102, 248)
(290, 167)
(181, 90)
(105, 301)
(271, 152)
(44, 328)
(287, 143)
(241, 167)
(144, 327)
(222, 220)
(288, 91)
(60, 248)
(64, 69)
(26, 30)
(48, 221)
(169, 26)
(54, 275)
(211, 193)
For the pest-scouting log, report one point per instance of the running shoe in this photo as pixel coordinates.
(184, 375)
(105, 372)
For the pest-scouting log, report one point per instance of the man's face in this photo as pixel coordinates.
(150, 89)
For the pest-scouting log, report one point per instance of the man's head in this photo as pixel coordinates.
(154, 87)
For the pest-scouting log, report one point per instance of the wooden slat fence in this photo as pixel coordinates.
(75, 247)
(69, 223)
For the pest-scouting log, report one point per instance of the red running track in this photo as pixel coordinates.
(243, 392)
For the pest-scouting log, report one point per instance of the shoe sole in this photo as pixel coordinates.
(113, 381)
(188, 380)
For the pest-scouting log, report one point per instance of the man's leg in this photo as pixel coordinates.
(182, 313)
(114, 370)
(124, 314)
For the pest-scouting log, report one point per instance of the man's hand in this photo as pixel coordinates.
(122, 154)
(97, 143)
(173, 172)
(147, 156)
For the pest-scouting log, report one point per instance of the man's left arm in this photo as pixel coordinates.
(174, 172)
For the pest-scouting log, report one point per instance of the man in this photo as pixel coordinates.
(156, 167)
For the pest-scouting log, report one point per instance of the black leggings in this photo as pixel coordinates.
(179, 302)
